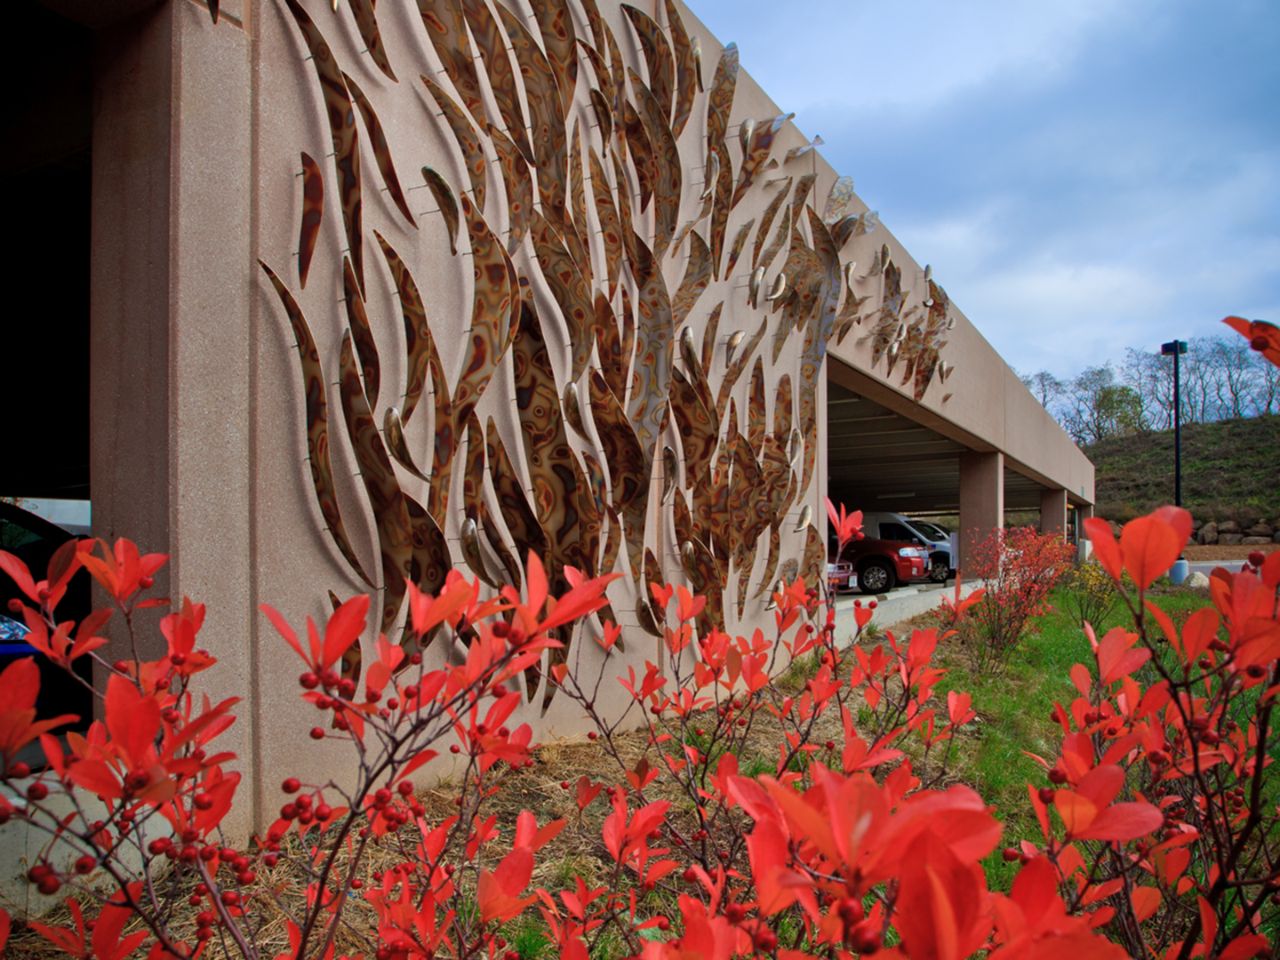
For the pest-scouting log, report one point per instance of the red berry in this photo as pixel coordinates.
(37, 791)
(19, 770)
(1046, 795)
(1057, 775)
(48, 885)
(291, 785)
(85, 864)
(309, 680)
(317, 733)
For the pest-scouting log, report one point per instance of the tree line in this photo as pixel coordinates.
(1221, 379)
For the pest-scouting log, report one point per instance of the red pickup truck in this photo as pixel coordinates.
(883, 564)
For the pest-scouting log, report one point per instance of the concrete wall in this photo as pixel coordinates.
(200, 435)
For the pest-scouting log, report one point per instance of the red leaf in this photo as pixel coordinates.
(1105, 546)
(1123, 821)
(344, 629)
(1116, 659)
(1150, 545)
(20, 574)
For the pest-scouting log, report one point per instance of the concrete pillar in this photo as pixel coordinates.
(171, 327)
(1053, 512)
(981, 497)
(1083, 547)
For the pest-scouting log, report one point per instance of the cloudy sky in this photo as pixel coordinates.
(1084, 175)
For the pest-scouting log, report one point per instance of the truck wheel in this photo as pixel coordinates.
(939, 568)
(875, 576)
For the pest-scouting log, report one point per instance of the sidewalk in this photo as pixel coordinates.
(901, 604)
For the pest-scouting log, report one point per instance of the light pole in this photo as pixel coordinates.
(1176, 348)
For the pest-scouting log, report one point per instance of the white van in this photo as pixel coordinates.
(894, 526)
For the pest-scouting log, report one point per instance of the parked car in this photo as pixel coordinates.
(880, 565)
(33, 540)
(938, 543)
(841, 577)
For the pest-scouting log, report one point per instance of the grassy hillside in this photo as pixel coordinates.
(1230, 470)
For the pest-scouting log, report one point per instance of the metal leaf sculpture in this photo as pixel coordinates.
(312, 215)
(602, 284)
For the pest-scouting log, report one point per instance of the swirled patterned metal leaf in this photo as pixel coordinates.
(361, 333)
(757, 152)
(390, 513)
(766, 222)
(697, 275)
(560, 41)
(521, 521)
(688, 82)
(502, 77)
(447, 29)
(737, 365)
(420, 348)
(571, 292)
(312, 215)
(446, 202)
(367, 24)
(317, 426)
(495, 310)
(641, 150)
(756, 412)
(697, 428)
(657, 57)
(342, 129)
(464, 135)
(666, 156)
(655, 336)
(838, 200)
(518, 183)
(381, 151)
(610, 225)
(814, 562)
(546, 114)
(709, 334)
(397, 446)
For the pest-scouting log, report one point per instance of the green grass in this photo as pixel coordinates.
(1014, 715)
(1225, 467)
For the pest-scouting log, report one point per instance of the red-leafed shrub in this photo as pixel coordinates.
(1158, 819)
(1020, 568)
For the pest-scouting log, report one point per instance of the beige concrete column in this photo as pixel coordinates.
(1053, 512)
(1083, 547)
(981, 497)
(171, 328)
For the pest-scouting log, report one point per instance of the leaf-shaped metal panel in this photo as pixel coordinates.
(614, 364)
(766, 221)
(697, 275)
(429, 562)
(494, 314)
(720, 97)
(814, 561)
(362, 333)
(312, 215)
(390, 514)
(502, 76)
(687, 80)
(622, 197)
(655, 336)
(756, 412)
(642, 153)
(737, 365)
(446, 202)
(570, 290)
(465, 136)
(782, 408)
(758, 149)
(735, 249)
(447, 29)
(420, 348)
(559, 490)
(709, 334)
(779, 240)
(526, 531)
(367, 24)
(610, 226)
(770, 563)
(518, 182)
(560, 41)
(657, 57)
(546, 114)
(317, 426)
(381, 150)
(397, 446)
(342, 129)
(667, 183)
(697, 428)
(838, 200)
